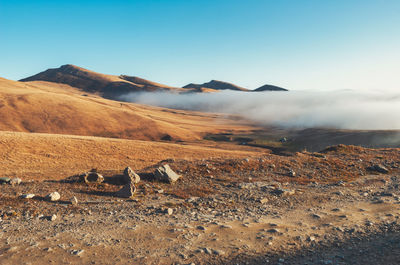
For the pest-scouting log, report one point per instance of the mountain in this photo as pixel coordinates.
(270, 88)
(108, 86)
(216, 85)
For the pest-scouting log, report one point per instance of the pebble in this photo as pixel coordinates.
(54, 196)
(77, 252)
(273, 230)
(28, 196)
(15, 181)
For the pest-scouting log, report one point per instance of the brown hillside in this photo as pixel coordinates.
(56, 108)
(108, 86)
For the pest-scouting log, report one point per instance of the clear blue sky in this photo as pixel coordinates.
(298, 44)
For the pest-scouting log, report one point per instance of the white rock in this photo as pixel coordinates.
(28, 196)
(54, 196)
(15, 181)
(74, 200)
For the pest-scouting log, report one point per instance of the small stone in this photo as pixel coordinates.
(208, 251)
(263, 200)
(226, 226)
(77, 252)
(4, 180)
(273, 230)
(316, 216)
(378, 168)
(170, 211)
(218, 252)
(28, 196)
(292, 174)
(74, 200)
(12, 249)
(54, 196)
(15, 181)
(311, 238)
(53, 217)
(283, 192)
(200, 227)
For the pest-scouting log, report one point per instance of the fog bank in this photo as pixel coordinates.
(294, 109)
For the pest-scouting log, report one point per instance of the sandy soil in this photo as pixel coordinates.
(251, 210)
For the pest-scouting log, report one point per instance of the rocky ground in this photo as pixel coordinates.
(340, 206)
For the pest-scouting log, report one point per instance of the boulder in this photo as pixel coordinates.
(54, 196)
(130, 176)
(165, 174)
(93, 177)
(127, 191)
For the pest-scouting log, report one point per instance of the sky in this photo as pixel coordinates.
(296, 44)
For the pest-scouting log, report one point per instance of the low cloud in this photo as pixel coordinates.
(294, 109)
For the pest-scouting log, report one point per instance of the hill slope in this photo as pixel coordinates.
(57, 108)
(108, 86)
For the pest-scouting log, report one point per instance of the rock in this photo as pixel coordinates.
(54, 196)
(263, 200)
(74, 200)
(316, 216)
(284, 192)
(378, 168)
(77, 252)
(218, 252)
(166, 174)
(311, 238)
(130, 176)
(127, 191)
(170, 211)
(226, 226)
(93, 177)
(15, 181)
(273, 230)
(4, 180)
(28, 196)
(208, 251)
(53, 217)
(200, 227)
(291, 173)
